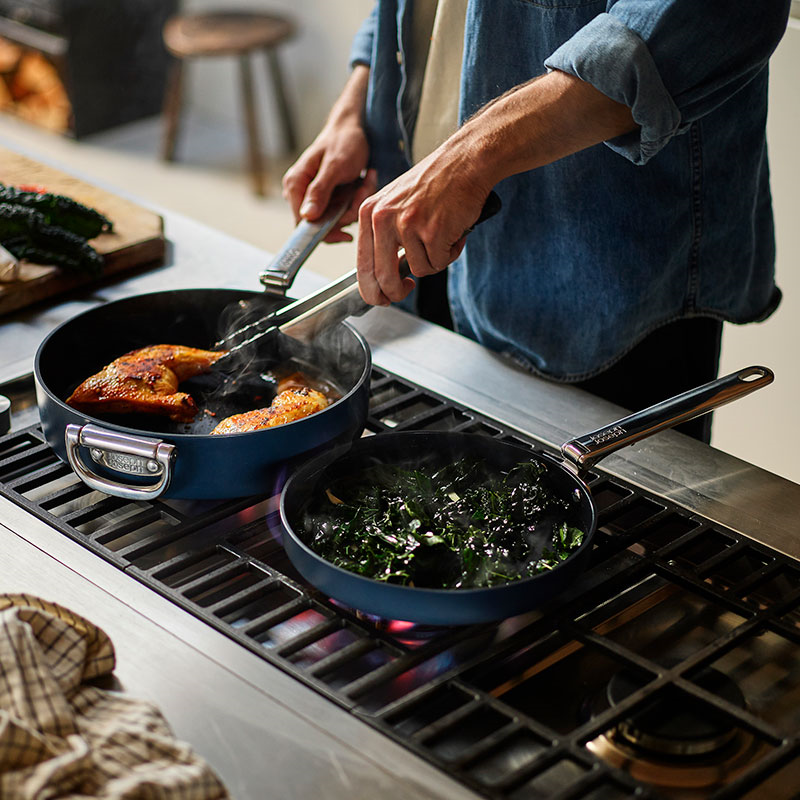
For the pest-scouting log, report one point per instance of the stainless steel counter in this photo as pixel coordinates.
(267, 735)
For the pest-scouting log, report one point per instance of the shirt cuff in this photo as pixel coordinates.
(617, 61)
(361, 48)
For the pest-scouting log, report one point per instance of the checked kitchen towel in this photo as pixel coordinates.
(61, 737)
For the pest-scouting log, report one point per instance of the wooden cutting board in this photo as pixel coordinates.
(137, 238)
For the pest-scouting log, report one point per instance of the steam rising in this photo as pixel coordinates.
(248, 379)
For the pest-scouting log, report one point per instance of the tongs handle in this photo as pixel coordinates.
(341, 299)
(282, 270)
(306, 318)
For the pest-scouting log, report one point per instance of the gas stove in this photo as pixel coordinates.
(670, 669)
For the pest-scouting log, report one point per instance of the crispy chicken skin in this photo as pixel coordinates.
(145, 381)
(288, 405)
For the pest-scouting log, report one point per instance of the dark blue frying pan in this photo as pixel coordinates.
(470, 606)
(140, 456)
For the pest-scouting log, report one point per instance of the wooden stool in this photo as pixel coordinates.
(236, 33)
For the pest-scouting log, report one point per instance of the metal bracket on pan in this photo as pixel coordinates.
(132, 455)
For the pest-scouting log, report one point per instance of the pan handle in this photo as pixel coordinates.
(280, 274)
(585, 450)
(135, 455)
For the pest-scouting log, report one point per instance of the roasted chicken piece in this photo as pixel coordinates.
(145, 381)
(294, 380)
(288, 405)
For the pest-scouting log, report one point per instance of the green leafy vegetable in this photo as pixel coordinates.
(51, 229)
(58, 210)
(459, 526)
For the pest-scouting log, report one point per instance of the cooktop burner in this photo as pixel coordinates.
(676, 725)
(676, 742)
(671, 668)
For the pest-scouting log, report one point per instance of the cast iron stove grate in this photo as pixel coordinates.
(672, 668)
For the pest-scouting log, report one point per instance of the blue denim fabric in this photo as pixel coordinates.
(593, 252)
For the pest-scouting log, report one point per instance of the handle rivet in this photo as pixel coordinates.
(97, 453)
(152, 466)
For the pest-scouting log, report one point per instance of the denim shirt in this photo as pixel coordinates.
(592, 252)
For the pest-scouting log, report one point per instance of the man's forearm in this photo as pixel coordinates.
(349, 106)
(537, 123)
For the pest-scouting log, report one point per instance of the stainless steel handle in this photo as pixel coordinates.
(341, 299)
(134, 455)
(585, 450)
(333, 303)
(305, 318)
(280, 274)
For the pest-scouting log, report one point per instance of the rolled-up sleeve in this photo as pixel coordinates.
(671, 61)
(361, 49)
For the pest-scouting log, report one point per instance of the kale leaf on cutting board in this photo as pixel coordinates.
(51, 229)
(458, 526)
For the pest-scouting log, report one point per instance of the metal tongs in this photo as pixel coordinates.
(308, 317)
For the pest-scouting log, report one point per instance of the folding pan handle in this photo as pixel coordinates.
(134, 455)
(585, 450)
(280, 274)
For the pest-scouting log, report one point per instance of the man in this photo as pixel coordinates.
(627, 143)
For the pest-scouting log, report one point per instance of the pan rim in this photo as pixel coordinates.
(417, 591)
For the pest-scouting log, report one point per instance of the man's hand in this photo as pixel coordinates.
(427, 209)
(424, 212)
(338, 155)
